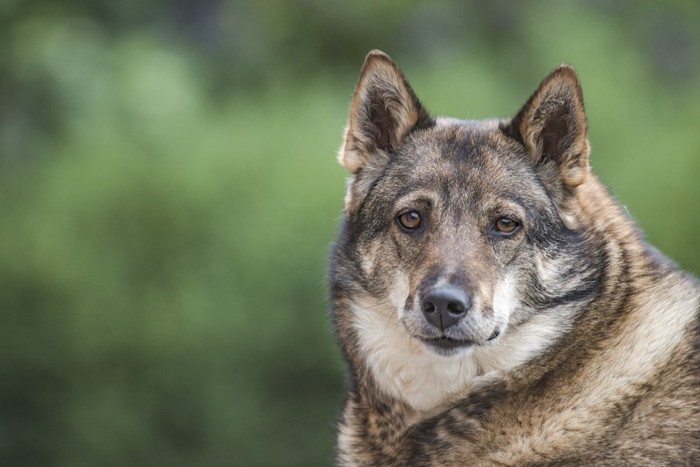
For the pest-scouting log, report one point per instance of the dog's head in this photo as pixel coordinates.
(463, 230)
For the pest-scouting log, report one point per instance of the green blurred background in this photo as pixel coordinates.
(169, 192)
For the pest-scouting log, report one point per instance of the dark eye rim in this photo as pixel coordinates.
(495, 231)
(421, 221)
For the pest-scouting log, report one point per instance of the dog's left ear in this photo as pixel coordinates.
(552, 125)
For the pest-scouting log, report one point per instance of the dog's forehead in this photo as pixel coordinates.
(463, 149)
(474, 126)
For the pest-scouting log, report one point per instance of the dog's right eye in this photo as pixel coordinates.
(409, 220)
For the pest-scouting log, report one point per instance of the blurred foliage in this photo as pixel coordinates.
(169, 193)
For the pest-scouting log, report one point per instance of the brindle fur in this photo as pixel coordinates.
(597, 359)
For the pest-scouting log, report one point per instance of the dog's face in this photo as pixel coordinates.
(456, 230)
(447, 231)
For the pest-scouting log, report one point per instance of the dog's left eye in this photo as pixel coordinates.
(506, 226)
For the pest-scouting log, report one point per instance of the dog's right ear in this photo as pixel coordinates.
(384, 110)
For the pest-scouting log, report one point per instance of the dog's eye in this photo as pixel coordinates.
(506, 226)
(410, 220)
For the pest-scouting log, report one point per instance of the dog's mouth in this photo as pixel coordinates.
(446, 343)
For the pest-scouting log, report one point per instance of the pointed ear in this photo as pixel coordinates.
(552, 126)
(384, 110)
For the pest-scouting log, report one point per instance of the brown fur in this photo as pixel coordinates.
(580, 345)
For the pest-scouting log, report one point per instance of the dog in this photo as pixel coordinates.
(494, 303)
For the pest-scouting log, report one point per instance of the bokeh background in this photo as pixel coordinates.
(169, 192)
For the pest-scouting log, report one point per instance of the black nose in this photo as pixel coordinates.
(445, 306)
